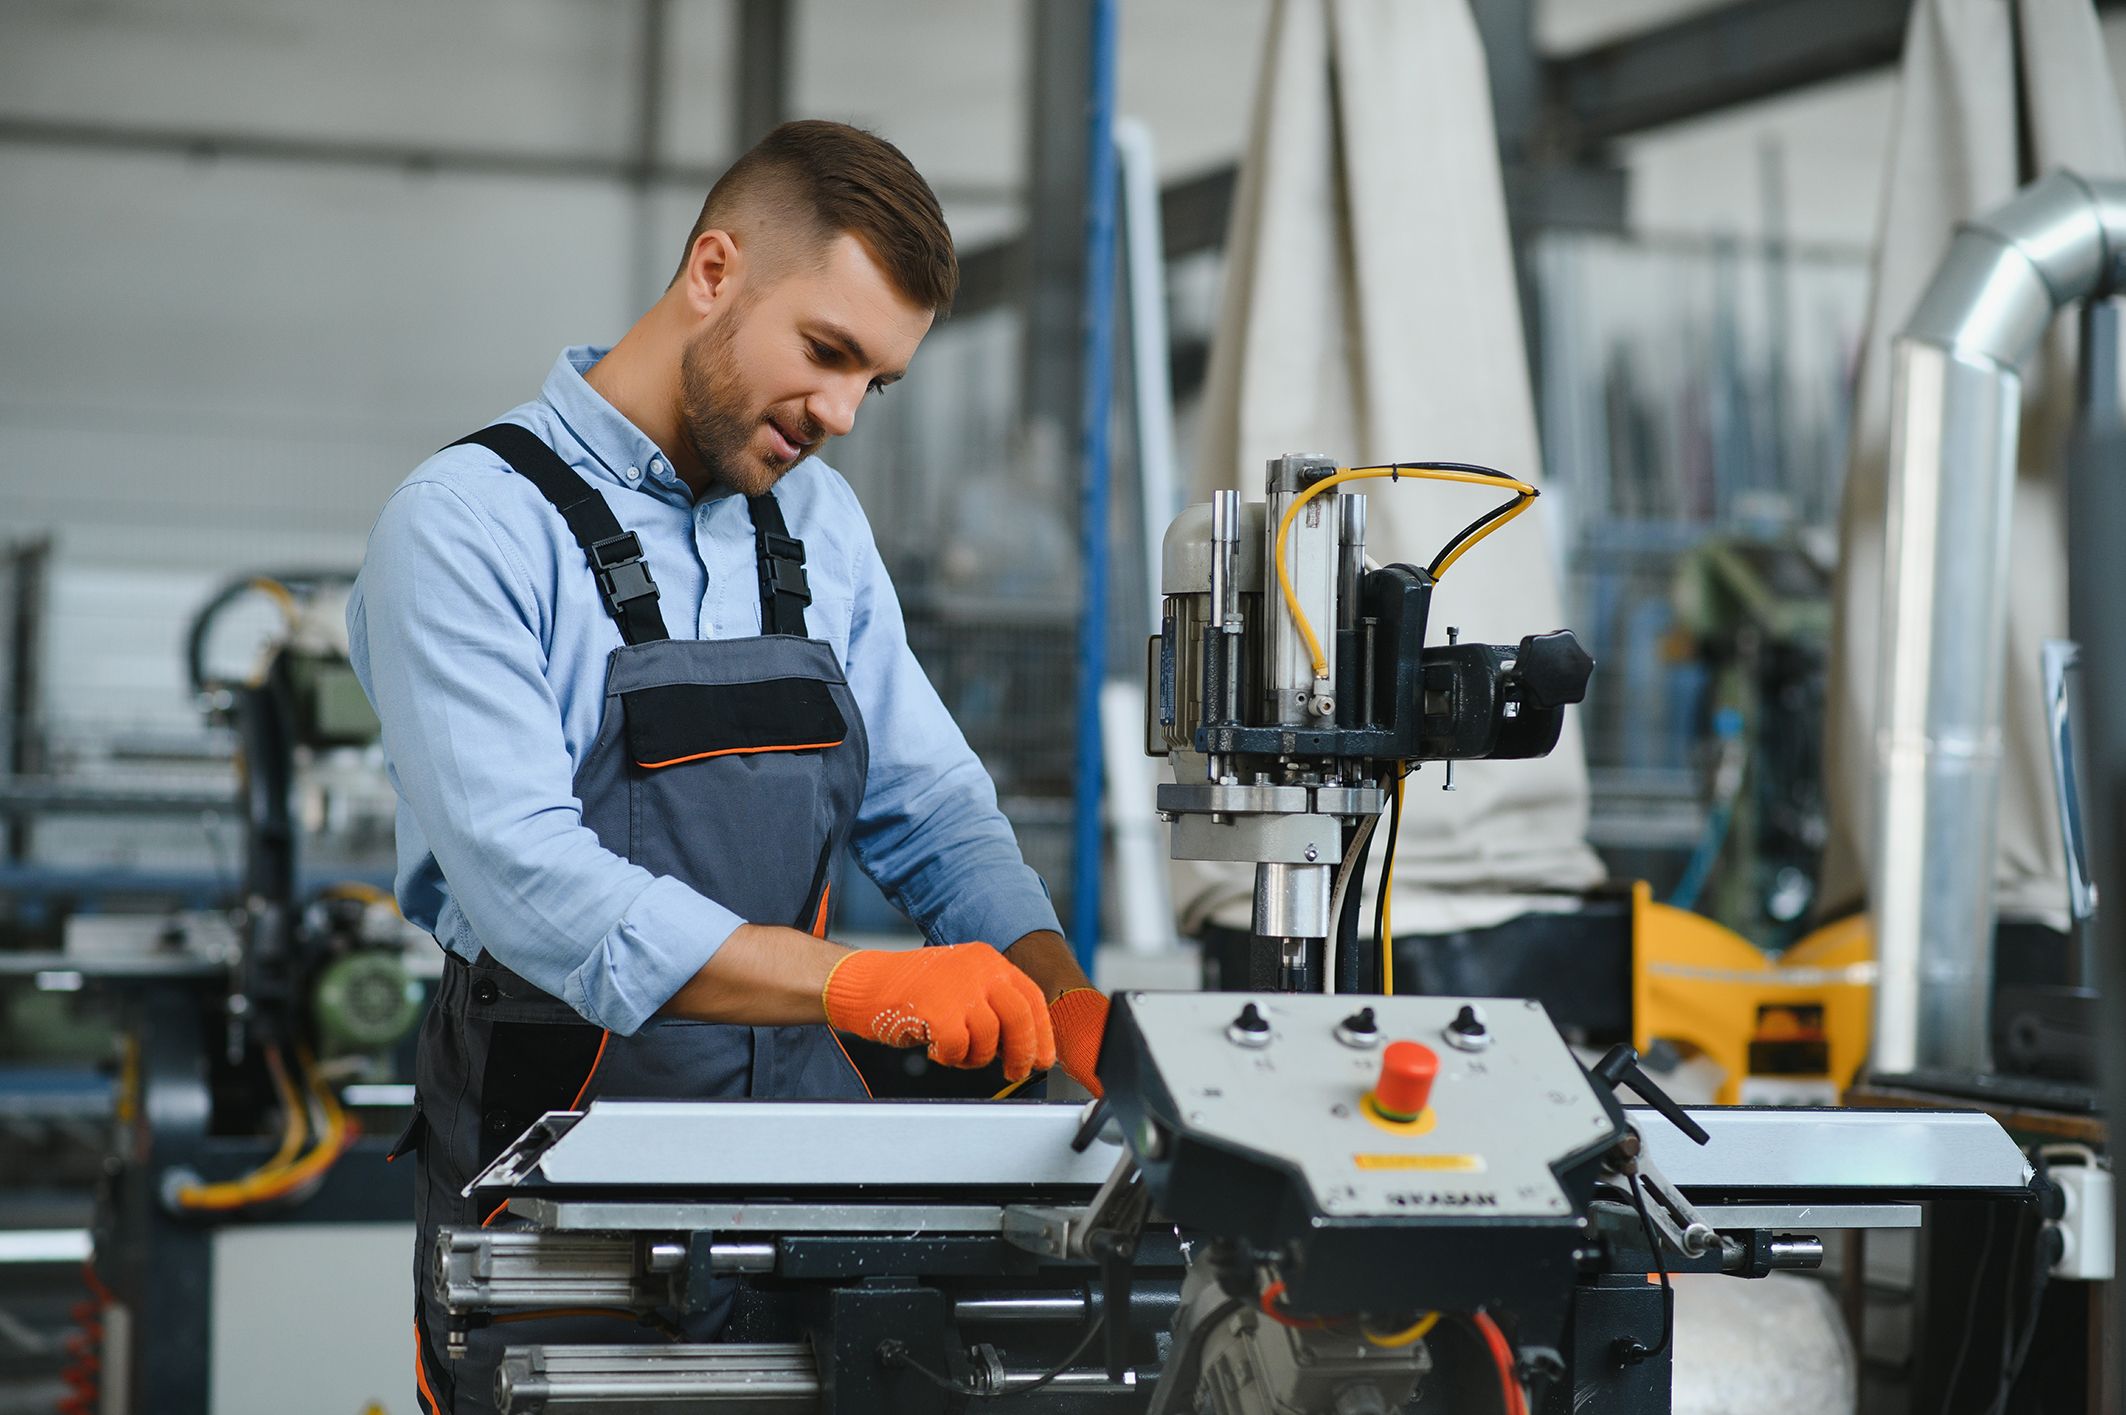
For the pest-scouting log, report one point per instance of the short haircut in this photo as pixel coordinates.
(816, 180)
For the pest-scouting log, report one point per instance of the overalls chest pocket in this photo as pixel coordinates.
(729, 785)
(675, 724)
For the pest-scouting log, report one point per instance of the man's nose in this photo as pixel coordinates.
(834, 406)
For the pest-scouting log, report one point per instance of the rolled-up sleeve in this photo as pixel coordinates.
(929, 833)
(447, 636)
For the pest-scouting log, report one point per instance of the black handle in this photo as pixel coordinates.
(1553, 669)
(1620, 1067)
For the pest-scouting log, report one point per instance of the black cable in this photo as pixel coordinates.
(1387, 868)
(1630, 1349)
(1349, 963)
(1474, 527)
(1432, 570)
(895, 1353)
(2042, 1258)
(1978, 1289)
(299, 583)
(1186, 1364)
(1483, 471)
(2007, 1323)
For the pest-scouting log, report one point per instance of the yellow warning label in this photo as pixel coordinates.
(1459, 1164)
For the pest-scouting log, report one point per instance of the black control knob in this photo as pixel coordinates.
(1467, 1031)
(1359, 1029)
(1553, 669)
(1250, 1028)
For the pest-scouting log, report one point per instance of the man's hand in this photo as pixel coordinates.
(1080, 1020)
(1076, 1009)
(964, 1002)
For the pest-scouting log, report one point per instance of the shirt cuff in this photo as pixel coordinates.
(997, 912)
(660, 942)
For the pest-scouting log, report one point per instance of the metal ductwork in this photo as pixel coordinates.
(1956, 389)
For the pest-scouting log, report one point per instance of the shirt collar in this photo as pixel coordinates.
(614, 444)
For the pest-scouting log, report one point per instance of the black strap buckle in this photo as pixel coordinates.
(782, 566)
(622, 576)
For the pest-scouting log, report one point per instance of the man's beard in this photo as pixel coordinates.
(720, 432)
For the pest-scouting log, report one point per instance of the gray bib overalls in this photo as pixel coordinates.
(734, 766)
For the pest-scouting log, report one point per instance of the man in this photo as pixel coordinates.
(642, 677)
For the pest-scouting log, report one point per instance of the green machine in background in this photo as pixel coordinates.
(1757, 614)
(265, 1055)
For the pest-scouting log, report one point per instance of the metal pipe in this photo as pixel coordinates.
(1225, 547)
(1955, 401)
(2096, 587)
(1796, 1252)
(1225, 613)
(1351, 567)
(1096, 354)
(1292, 901)
(1151, 376)
(1023, 1307)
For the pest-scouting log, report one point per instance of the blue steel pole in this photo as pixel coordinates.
(1099, 337)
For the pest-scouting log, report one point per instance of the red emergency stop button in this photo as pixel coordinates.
(1406, 1072)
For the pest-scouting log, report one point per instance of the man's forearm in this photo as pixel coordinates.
(1043, 956)
(763, 976)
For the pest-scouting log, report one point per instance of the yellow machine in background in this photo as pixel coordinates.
(1791, 1030)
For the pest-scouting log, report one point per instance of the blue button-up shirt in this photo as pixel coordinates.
(479, 635)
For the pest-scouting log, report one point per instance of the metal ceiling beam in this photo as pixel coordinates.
(766, 32)
(1045, 267)
(413, 159)
(1736, 54)
(1715, 60)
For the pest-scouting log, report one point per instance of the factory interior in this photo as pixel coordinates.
(1451, 751)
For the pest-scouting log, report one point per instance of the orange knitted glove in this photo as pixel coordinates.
(1080, 1018)
(964, 1001)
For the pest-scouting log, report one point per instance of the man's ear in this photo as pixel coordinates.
(712, 264)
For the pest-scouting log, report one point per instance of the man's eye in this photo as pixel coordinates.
(878, 386)
(821, 352)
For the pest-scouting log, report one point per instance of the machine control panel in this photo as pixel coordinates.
(1388, 1107)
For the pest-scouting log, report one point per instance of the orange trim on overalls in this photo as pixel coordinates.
(603, 1038)
(420, 1374)
(743, 752)
(819, 930)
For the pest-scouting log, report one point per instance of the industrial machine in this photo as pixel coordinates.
(1248, 1223)
(1288, 1201)
(256, 1041)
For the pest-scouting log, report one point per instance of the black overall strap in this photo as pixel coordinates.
(624, 581)
(783, 590)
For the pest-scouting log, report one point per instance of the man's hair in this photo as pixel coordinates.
(811, 180)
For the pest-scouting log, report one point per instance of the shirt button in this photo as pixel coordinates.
(635, 473)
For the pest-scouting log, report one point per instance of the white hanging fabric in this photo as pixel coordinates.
(1370, 314)
(1992, 94)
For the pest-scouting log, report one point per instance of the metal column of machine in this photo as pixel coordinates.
(1956, 406)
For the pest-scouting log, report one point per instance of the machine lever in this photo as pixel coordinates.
(1620, 1067)
(1089, 1122)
